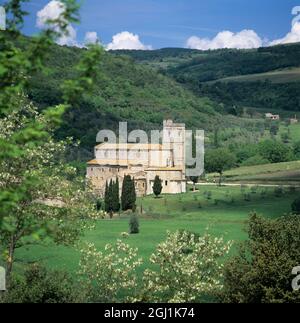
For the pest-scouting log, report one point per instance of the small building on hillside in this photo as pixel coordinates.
(271, 116)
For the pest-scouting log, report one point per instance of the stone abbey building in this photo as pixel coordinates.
(143, 162)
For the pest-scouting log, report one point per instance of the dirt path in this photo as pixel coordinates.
(246, 184)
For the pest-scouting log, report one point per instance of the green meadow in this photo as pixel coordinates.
(278, 76)
(222, 211)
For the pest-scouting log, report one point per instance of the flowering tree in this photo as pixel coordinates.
(38, 201)
(110, 276)
(188, 268)
(52, 202)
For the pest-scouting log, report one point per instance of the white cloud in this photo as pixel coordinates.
(91, 37)
(53, 11)
(292, 37)
(70, 38)
(127, 40)
(244, 39)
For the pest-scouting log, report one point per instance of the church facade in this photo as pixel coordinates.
(143, 162)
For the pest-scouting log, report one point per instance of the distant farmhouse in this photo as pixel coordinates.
(270, 116)
(143, 162)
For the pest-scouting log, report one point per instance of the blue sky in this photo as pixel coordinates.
(169, 23)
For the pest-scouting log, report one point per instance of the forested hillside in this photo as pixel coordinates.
(126, 91)
(216, 74)
(144, 87)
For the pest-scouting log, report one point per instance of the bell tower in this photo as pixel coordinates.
(174, 139)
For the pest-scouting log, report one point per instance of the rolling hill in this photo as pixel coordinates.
(126, 91)
(281, 173)
(288, 75)
(265, 78)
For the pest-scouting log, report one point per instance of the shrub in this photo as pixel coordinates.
(208, 195)
(134, 226)
(261, 272)
(255, 160)
(99, 205)
(157, 186)
(278, 191)
(42, 286)
(274, 151)
(296, 206)
(188, 267)
(109, 277)
(263, 193)
(254, 189)
(247, 197)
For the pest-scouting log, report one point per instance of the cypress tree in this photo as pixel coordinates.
(106, 198)
(157, 186)
(134, 226)
(111, 198)
(125, 189)
(128, 197)
(133, 195)
(116, 196)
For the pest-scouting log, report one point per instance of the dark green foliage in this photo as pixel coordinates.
(281, 96)
(111, 197)
(296, 149)
(210, 65)
(219, 160)
(98, 204)
(157, 186)
(124, 91)
(274, 129)
(195, 180)
(296, 206)
(274, 151)
(255, 160)
(128, 198)
(196, 70)
(42, 286)
(21, 221)
(247, 197)
(134, 226)
(116, 196)
(262, 271)
(106, 197)
(278, 191)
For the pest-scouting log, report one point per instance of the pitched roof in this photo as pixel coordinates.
(129, 146)
(168, 169)
(110, 162)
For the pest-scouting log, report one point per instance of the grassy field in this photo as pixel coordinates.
(225, 214)
(280, 76)
(295, 132)
(281, 173)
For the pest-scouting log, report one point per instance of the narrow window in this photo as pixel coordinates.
(166, 183)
